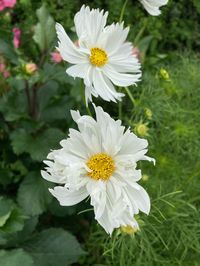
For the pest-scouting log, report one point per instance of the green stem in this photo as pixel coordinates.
(84, 99)
(138, 36)
(130, 95)
(120, 20)
(122, 11)
(120, 107)
(88, 109)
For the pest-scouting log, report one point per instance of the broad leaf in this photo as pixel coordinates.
(11, 220)
(14, 105)
(8, 52)
(45, 29)
(54, 247)
(6, 208)
(33, 195)
(38, 145)
(16, 257)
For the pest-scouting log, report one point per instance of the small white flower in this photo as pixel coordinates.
(102, 57)
(100, 161)
(152, 6)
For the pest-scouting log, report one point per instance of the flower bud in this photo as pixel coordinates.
(142, 129)
(164, 74)
(16, 38)
(56, 57)
(148, 113)
(128, 229)
(145, 177)
(30, 68)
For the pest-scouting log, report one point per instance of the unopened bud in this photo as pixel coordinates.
(30, 68)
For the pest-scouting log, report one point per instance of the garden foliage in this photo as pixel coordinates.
(34, 117)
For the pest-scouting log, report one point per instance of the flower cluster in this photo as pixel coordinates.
(99, 160)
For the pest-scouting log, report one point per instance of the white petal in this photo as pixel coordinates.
(68, 197)
(139, 197)
(120, 79)
(152, 6)
(89, 24)
(75, 115)
(79, 70)
(53, 178)
(113, 37)
(67, 49)
(131, 144)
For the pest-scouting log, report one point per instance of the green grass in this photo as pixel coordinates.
(170, 235)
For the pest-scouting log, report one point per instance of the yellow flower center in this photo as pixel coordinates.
(101, 165)
(98, 57)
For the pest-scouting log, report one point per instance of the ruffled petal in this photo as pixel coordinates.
(67, 197)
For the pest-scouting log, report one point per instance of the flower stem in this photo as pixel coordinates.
(84, 99)
(120, 107)
(88, 109)
(122, 11)
(28, 95)
(130, 95)
(120, 20)
(140, 33)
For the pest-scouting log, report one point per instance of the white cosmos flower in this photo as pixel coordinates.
(102, 58)
(152, 6)
(100, 161)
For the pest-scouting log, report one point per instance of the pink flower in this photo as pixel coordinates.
(2, 5)
(3, 71)
(6, 74)
(56, 57)
(16, 38)
(7, 3)
(2, 67)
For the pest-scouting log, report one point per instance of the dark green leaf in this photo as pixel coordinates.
(45, 29)
(11, 220)
(14, 105)
(15, 222)
(16, 257)
(8, 52)
(61, 211)
(33, 195)
(20, 140)
(54, 247)
(29, 227)
(46, 93)
(37, 145)
(6, 207)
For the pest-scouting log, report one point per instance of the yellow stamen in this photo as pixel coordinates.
(101, 165)
(98, 57)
